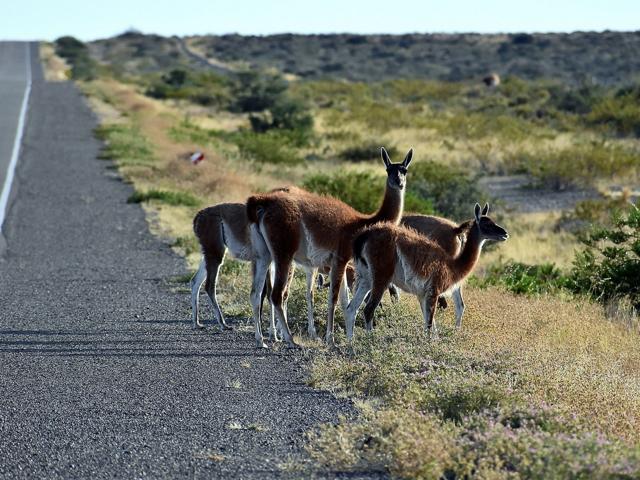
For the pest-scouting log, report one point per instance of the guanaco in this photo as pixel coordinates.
(220, 228)
(385, 253)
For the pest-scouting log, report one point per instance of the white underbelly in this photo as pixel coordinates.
(237, 248)
(310, 254)
(406, 278)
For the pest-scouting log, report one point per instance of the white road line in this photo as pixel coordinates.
(6, 189)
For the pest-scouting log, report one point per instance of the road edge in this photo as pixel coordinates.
(17, 144)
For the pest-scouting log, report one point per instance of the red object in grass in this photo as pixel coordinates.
(196, 157)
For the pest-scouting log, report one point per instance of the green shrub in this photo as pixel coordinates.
(451, 190)
(580, 164)
(256, 91)
(369, 150)
(286, 114)
(522, 278)
(609, 268)
(620, 113)
(361, 190)
(432, 188)
(591, 212)
(164, 196)
(77, 55)
(576, 100)
(274, 146)
(203, 88)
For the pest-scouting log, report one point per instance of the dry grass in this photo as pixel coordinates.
(514, 353)
(561, 353)
(534, 240)
(570, 355)
(55, 68)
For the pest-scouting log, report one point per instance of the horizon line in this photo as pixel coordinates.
(336, 33)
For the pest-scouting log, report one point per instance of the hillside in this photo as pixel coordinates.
(603, 58)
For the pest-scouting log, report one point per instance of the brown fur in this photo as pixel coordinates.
(444, 232)
(427, 258)
(208, 222)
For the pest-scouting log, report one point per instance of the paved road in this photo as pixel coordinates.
(14, 76)
(100, 373)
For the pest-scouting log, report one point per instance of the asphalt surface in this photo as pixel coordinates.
(101, 375)
(13, 81)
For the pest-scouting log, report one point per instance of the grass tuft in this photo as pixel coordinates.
(165, 196)
(125, 144)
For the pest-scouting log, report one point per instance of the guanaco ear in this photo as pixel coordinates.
(485, 210)
(408, 158)
(385, 157)
(477, 212)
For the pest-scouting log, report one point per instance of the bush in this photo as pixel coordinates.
(361, 190)
(592, 212)
(451, 190)
(201, 88)
(432, 188)
(526, 279)
(367, 151)
(522, 39)
(609, 268)
(256, 91)
(286, 114)
(77, 55)
(577, 165)
(273, 146)
(620, 113)
(579, 101)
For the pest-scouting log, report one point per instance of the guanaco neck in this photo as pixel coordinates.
(465, 262)
(391, 208)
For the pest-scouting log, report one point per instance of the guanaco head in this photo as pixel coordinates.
(489, 230)
(396, 172)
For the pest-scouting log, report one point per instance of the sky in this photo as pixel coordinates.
(87, 20)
